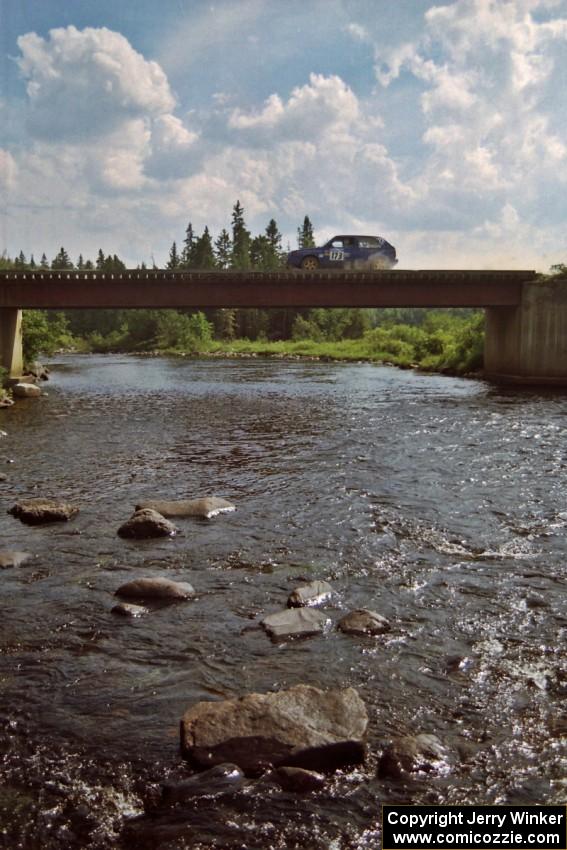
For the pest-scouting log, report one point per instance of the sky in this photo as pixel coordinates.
(439, 126)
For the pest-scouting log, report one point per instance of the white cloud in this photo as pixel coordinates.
(84, 82)
(325, 103)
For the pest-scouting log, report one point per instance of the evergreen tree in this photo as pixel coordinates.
(32, 264)
(80, 263)
(305, 238)
(188, 244)
(61, 261)
(89, 265)
(203, 256)
(274, 238)
(43, 263)
(174, 260)
(113, 264)
(240, 258)
(100, 260)
(224, 321)
(261, 253)
(20, 261)
(223, 249)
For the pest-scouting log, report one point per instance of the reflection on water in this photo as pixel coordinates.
(438, 502)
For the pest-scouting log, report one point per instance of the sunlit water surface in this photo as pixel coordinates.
(438, 502)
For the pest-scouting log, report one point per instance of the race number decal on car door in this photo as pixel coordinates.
(336, 256)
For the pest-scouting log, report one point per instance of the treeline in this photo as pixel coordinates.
(450, 340)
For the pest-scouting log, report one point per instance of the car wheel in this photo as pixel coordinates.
(310, 264)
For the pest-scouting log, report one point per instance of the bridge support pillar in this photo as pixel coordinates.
(528, 344)
(11, 353)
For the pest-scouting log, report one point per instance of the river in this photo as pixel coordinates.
(438, 502)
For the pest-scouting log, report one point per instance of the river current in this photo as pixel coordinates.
(438, 502)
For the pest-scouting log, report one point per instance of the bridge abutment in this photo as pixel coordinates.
(11, 341)
(527, 344)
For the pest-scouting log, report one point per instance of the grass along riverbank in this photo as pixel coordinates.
(435, 341)
(443, 343)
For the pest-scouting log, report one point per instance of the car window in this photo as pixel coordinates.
(368, 242)
(337, 243)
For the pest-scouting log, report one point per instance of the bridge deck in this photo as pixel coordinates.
(161, 288)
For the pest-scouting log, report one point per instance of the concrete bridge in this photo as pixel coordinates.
(526, 327)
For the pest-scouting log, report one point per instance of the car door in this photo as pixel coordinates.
(338, 252)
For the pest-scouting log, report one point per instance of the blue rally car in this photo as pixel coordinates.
(346, 252)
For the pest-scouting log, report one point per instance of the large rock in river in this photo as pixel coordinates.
(205, 508)
(38, 511)
(313, 593)
(147, 523)
(301, 727)
(26, 390)
(413, 754)
(363, 622)
(294, 623)
(155, 588)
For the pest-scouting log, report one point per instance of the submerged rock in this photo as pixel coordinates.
(11, 558)
(205, 508)
(26, 390)
(147, 523)
(38, 511)
(294, 622)
(299, 780)
(313, 593)
(413, 754)
(155, 588)
(126, 609)
(218, 780)
(301, 727)
(363, 622)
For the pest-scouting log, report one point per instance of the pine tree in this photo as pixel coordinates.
(80, 263)
(203, 256)
(240, 258)
(188, 245)
(223, 249)
(20, 261)
(62, 260)
(173, 262)
(224, 321)
(32, 264)
(43, 263)
(305, 237)
(100, 260)
(89, 266)
(274, 236)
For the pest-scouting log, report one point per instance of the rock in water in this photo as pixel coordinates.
(24, 390)
(301, 727)
(205, 508)
(155, 588)
(299, 780)
(38, 511)
(413, 754)
(363, 622)
(313, 593)
(294, 623)
(218, 780)
(9, 558)
(125, 609)
(147, 523)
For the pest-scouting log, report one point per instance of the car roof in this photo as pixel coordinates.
(353, 236)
